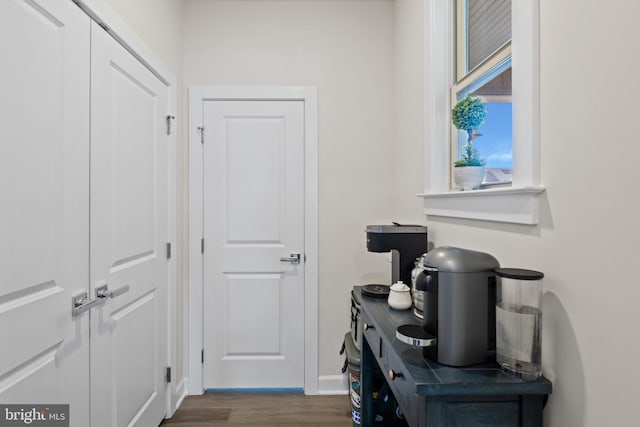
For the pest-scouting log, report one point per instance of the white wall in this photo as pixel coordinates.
(588, 239)
(345, 48)
(157, 23)
(408, 141)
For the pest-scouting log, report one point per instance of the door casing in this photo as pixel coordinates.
(197, 95)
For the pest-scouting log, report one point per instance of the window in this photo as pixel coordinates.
(518, 203)
(483, 69)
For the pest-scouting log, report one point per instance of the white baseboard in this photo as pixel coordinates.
(333, 384)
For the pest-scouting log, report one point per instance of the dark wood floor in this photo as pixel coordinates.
(262, 410)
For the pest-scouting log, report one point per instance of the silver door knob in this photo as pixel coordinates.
(293, 259)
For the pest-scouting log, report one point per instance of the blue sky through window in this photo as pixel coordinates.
(495, 143)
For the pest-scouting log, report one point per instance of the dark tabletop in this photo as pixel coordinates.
(432, 378)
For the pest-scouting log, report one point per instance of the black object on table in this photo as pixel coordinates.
(434, 395)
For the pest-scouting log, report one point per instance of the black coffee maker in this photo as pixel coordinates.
(405, 242)
(459, 325)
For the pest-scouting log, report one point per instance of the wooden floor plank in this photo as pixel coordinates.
(262, 410)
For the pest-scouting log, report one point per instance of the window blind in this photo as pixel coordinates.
(489, 27)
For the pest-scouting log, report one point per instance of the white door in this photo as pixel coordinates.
(253, 217)
(128, 237)
(44, 218)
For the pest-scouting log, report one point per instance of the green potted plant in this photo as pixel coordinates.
(468, 115)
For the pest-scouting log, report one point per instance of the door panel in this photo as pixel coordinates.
(254, 215)
(136, 375)
(246, 190)
(44, 220)
(129, 231)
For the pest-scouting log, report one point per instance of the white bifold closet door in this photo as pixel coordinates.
(44, 196)
(129, 178)
(83, 186)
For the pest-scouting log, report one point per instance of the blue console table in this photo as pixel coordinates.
(434, 395)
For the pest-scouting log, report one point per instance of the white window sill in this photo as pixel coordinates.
(514, 205)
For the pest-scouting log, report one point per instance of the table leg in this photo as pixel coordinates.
(367, 372)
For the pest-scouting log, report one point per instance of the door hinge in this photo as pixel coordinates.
(169, 118)
(168, 250)
(168, 374)
(202, 356)
(202, 245)
(201, 130)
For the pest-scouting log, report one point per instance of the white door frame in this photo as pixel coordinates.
(309, 95)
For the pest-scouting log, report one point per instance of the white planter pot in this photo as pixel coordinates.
(468, 177)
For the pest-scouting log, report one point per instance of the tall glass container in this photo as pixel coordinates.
(519, 321)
